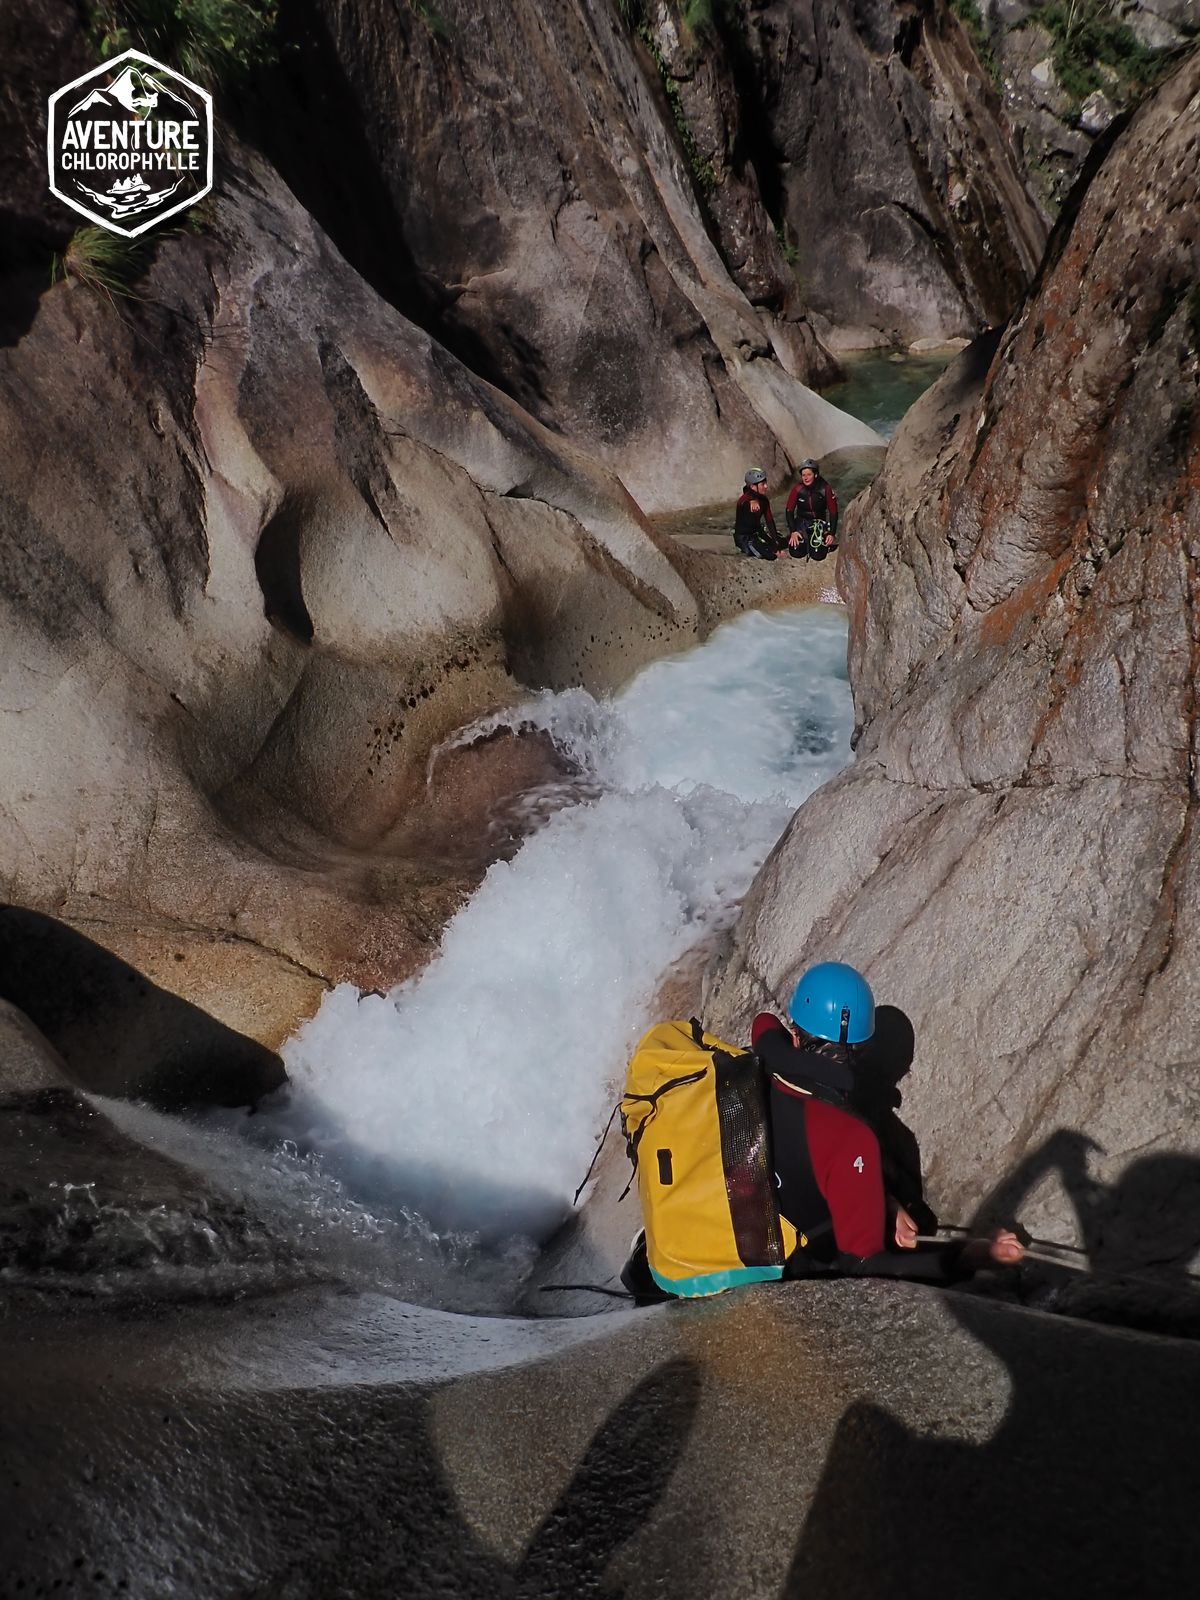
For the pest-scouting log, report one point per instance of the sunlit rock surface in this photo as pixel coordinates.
(532, 197)
(263, 543)
(1012, 857)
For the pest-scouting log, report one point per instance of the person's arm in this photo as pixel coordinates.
(790, 517)
(769, 519)
(940, 1263)
(831, 507)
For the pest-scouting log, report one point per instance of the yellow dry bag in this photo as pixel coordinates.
(694, 1116)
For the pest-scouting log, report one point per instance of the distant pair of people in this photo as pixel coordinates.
(811, 518)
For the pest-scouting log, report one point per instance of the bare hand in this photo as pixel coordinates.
(906, 1230)
(1005, 1249)
(794, 539)
(1000, 1249)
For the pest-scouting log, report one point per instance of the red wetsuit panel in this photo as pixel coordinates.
(849, 1172)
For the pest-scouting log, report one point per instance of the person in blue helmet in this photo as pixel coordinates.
(828, 1162)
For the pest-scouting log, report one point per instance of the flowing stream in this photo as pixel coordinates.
(430, 1137)
(473, 1094)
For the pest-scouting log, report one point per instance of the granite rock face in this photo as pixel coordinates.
(898, 183)
(1063, 77)
(1013, 857)
(514, 179)
(264, 543)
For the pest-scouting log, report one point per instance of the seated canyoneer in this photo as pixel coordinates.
(754, 530)
(827, 1159)
(811, 515)
(753, 1165)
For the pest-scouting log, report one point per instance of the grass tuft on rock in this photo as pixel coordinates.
(101, 261)
(1088, 38)
(969, 14)
(215, 42)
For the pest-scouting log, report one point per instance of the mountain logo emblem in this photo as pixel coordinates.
(130, 143)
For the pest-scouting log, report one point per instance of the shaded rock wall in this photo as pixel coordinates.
(1012, 856)
(530, 202)
(898, 182)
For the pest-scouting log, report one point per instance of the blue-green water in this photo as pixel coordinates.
(879, 386)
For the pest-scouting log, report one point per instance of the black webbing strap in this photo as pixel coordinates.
(596, 1157)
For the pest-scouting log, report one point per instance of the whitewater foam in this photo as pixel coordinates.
(473, 1094)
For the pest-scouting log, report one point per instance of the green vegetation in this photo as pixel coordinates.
(213, 41)
(701, 168)
(433, 19)
(1087, 37)
(968, 13)
(791, 253)
(701, 18)
(101, 261)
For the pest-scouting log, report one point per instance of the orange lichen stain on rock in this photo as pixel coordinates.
(1024, 604)
(852, 586)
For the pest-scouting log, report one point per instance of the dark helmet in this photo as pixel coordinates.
(811, 466)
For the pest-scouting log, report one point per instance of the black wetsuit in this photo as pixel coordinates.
(754, 531)
(812, 511)
(829, 1178)
(829, 1171)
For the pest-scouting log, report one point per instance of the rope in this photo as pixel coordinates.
(584, 1288)
(1040, 1250)
(596, 1157)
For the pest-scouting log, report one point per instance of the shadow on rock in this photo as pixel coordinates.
(878, 1072)
(118, 1033)
(1140, 1235)
(348, 1490)
(431, 1549)
(1082, 1489)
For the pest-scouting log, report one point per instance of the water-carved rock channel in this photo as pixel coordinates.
(388, 734)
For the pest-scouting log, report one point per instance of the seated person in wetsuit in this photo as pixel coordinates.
(754, 531)
(828, 1164)
(812, 515)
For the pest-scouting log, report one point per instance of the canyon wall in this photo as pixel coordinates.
(1012, 856)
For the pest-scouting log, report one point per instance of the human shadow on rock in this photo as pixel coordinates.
(1081, 1490)
(878, 1072)
(394, 1526)
(118, 1033)
(1139, 1236)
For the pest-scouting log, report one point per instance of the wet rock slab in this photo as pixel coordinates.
(865, 1439)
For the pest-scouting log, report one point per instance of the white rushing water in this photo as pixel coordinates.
(474, 1093)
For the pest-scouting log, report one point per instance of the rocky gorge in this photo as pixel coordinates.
(371, 453)
(1010, 855)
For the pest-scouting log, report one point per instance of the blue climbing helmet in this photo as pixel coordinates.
(833, 1001)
